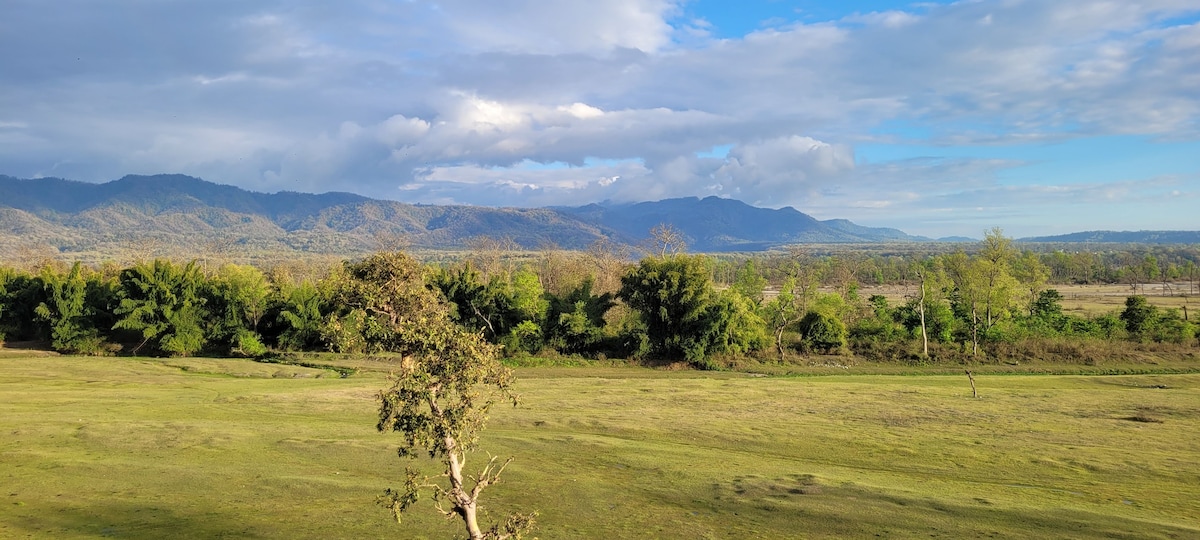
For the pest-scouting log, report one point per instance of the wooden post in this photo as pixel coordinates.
(974, 394)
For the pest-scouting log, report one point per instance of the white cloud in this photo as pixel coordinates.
(446, 100)
(562, 26)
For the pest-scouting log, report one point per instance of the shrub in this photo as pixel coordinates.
(1139, 316)
(822, 332)
(247, 343)
(525, 337)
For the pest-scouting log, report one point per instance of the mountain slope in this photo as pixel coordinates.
(1122, 237)
(188, 212)
(716, 224)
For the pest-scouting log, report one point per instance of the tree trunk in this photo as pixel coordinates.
(464, 503)
(974, 331)
(924, 336)
(779, 342)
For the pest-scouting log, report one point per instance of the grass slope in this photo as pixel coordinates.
(200, 448)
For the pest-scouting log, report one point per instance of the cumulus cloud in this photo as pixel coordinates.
(570, 102)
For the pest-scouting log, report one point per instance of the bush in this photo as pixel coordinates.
(247, 344)
(1139, 316)
(525, 337)
(822, 333)
(1171, 328)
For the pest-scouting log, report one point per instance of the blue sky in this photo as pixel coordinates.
(938, 118)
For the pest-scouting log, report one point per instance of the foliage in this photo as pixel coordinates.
(237, 298)
(67, 312)
(22, 293)
(494, 307)
(749, 282)
(374, 298)
(729, 326)
(247, 343)
(781, 312)
(162, 302)
(301, 312)
(822, 332)
(983, 296)
(683, 316)
(1139, 316)
(575, 322)
(525, 337)
(1145, 322)
(439, 401)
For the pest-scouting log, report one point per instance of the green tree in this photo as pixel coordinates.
(729, 325)
(1170, 327)
(964, 292)
(66, 311)
(374, 297)
(575, 321)
(749, 282)
(449, 379)
(1139, 316)
(22, 294)
(162, 302)
(823, 332)
(993, 268)
(683, 316)
(782, 312)
(3, 298)
(938, 320)
(528, 297)
(303, 317)
(485, 306)
(237, 300)
(1031, 275)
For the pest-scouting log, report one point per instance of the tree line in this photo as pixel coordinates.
(669, 305)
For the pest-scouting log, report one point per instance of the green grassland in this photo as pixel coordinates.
(212, 448)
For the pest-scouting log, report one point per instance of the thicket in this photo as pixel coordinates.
(991, 303)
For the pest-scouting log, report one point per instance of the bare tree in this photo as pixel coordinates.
(391, 240)
(666, 239)
(610, 260)
(488, 254)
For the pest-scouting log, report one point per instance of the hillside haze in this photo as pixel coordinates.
(181, 210)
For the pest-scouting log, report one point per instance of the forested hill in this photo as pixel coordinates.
(1122, 237)
(716, 224)
(182, 210)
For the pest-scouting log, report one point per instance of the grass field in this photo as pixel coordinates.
(205, 448)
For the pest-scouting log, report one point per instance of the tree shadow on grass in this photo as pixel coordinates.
(112, 519)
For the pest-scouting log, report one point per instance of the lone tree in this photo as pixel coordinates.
(449, 379)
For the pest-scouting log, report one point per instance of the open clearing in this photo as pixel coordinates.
(204, 448)
(1087, 300)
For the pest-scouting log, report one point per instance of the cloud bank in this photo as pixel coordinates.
(570, 102)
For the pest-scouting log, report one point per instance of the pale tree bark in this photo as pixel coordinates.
(924, 335)
(974, 330)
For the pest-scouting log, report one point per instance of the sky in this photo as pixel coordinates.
(937, 118)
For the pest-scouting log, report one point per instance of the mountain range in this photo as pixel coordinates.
(78, 216)
(189, 213)
(1122, 237)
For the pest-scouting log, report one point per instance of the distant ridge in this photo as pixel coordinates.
(1122, 237)
(716, 224)
(182, 210)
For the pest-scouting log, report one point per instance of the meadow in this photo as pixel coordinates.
(214, 448)
(1087, 300)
